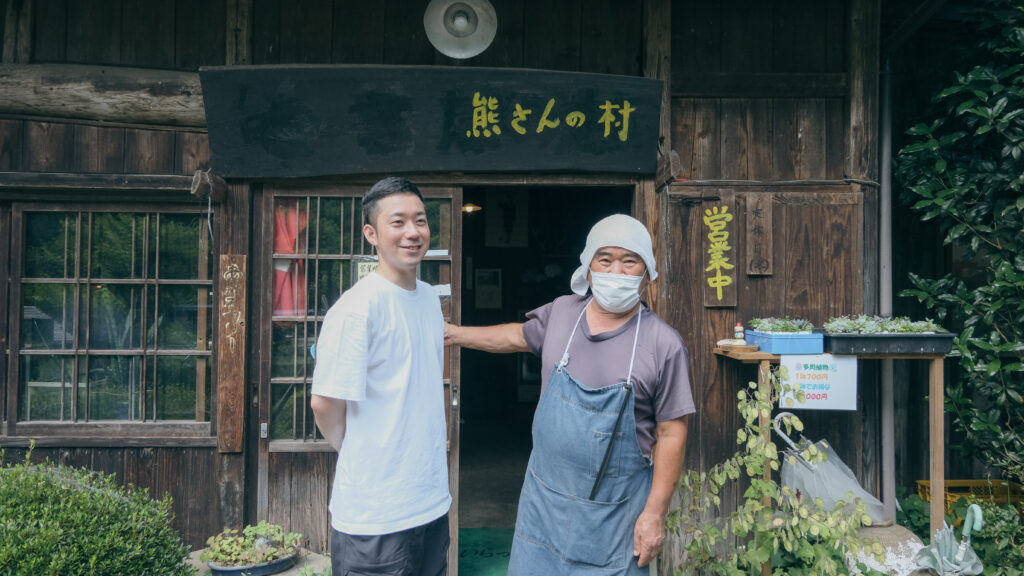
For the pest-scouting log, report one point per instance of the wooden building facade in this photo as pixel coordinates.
(117, 280)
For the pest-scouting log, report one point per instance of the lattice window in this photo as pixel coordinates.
(114, 321)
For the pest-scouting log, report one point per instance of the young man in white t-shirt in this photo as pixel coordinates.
(378, 398)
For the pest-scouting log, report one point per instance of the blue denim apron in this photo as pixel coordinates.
(560, 528)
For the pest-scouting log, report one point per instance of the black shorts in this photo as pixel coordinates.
(419, 551)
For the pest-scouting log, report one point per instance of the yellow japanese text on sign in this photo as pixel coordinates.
(486, 118)
(717, 220)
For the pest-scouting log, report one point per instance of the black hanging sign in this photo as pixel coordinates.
(294, 121)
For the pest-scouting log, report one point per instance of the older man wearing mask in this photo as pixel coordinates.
(609, 433)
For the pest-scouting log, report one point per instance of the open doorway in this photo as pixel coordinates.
(519, 252)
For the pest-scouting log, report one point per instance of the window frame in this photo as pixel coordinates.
(177, 433)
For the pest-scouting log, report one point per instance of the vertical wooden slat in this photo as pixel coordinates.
(192, 152)
(405, 40)
(785, 139)
(650, 202)
(149, 152)
(696, 38)
(835, 139)
(936, 444)
(507, 48)
(736, 139)
(684, 122)
(747, 36)
(610, 37)
(266, 32)
(231, 314)
(147, 37)
(799, 38)
(238, 35)
(811, 127)
(358, 32)
(862, 75)
(758, 240)
(48, 146)
(200, 31)
(707, 157)
(17, 32)
(49, 31)
(98, 149)
(306, 33)
(11, 132)
(94, 32)
(552, 43)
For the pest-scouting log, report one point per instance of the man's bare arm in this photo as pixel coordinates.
(500, 338)
(330, 419)
(669, 451)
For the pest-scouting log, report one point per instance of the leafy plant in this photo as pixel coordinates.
(264, 542)
(786, 324)
(878, 325)
(771, 522)
(1000, 542)
(914, 514)
(61, 520)
(966, 170)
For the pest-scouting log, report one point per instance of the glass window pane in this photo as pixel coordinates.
(116, 243)
(177, 378)
(290, 287)
(282, 410)
(290, 220)
(45, 387)
(47, 316)
(113, 384)
(50, 240)
(180, 316)
(329, 226)
(115, 315)
(180, 238)
(286, 356)
(439, 216)
(332, 275)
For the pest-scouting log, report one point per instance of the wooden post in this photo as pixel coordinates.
(17, 45)
(937, 444)
(231, 315)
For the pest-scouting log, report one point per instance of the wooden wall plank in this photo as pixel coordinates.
(147, 37)
(109, 461)
(811, 140)
(358, 33)
(785, 139)
(707, 157)
(862, 69)
(279, 489)
(199, 33)
(747, 37)
(138, 469)
(684, 122)
(405, 40)
(696, 38)
(16, 29)
(758, 237)
(49, 31)
(610, 37)
(11, 132)
(835, 139)
(231, 345)
(799, 36)
(552, 43)
(238, 33)
(507, 47)
(94, 31)
(98, 149)
(306, 33)
(192, 152)
(266, 32)
(49, 146)
(149, 152)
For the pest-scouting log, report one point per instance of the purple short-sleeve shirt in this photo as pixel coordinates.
(661, 373)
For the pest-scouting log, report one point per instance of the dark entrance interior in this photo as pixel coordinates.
(520, 250)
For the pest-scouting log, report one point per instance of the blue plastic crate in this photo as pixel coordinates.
(787, 343)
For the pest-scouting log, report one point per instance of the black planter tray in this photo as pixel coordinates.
(272, 567)
(910, 344)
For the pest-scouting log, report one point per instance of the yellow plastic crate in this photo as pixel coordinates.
(997, 491)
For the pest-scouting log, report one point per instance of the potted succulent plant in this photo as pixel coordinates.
(784, 336)
(255, 551)
(877, 335)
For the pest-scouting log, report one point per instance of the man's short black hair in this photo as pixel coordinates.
(382, 189)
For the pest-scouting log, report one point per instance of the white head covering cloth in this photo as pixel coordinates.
(616, 230)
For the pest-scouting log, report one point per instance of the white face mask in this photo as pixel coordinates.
(616, 293)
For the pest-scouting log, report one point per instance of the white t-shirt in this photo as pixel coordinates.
(381, 348)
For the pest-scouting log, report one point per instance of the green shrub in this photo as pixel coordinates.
(1000, 542)
(60, 520)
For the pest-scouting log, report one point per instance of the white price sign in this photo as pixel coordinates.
(828, 382)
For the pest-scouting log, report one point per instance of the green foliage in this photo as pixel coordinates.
(257, 544)
(786, 324)
(915, 514)
(61, 520)
(1000, 542)
(795, 532)
(966, 170)
(879, 325)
